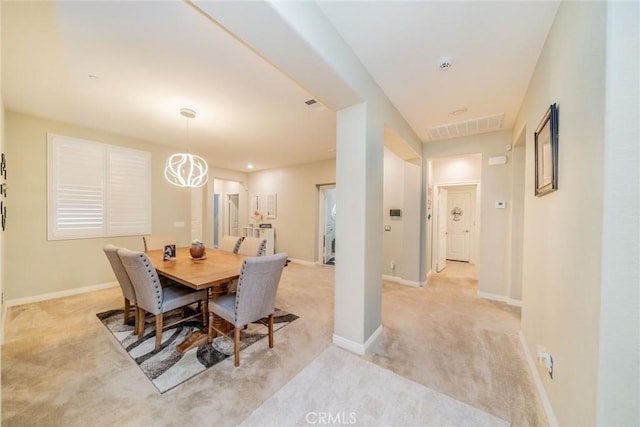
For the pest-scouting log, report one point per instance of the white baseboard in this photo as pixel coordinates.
(355, 347)
(401, 281)
(60, 294)
(303, 262)
(501, 298)
(546, 404)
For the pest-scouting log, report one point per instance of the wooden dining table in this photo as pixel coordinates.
(213, 273)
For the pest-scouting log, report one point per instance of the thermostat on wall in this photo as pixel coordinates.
(395, 213)
(501, 205)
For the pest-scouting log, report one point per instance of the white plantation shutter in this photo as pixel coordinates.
(128, 198)
(78, 189)
(96, 190)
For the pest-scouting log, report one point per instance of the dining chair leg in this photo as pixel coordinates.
(210, 334)
(158, 330)
(135, 318)
(141, 316)
(127, 307)
(203, 309)
(271, 331)
(236, 346)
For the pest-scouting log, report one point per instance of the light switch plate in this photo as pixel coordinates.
(178, 224)
(501, 205)
(387, 228)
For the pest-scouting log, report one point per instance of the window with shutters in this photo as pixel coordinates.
(97, 190)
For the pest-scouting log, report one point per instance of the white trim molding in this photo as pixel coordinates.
(355, 347)
(401, 281)
(501, 298)
(303, 262)
(59, 294)
(546, 404)
(48, 296)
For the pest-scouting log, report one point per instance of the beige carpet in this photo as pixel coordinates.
(441, 336)
(340, 388)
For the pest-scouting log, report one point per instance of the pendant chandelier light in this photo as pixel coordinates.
(186, 169)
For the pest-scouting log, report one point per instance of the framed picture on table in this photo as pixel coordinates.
(169, 253)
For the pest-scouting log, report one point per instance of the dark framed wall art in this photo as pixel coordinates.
(546, 152)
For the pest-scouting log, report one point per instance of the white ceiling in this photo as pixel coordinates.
(152, 58)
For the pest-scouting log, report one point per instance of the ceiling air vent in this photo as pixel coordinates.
(468, 127)
(315, 105)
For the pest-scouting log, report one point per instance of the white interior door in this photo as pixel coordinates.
(326, 223)
(233, 214)
(442, 230)
(216, 220)
(330, 226)
(458, 226)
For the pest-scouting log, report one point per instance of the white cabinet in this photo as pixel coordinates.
(263, 233)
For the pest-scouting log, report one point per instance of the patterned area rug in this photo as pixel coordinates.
(166, 368)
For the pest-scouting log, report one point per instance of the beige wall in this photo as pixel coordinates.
(516, 242)
(35, 266)
(494, 223)
(393, 197)
(456, 169)
(297, 204)
(619, 357)
(563, 230)
(402, 190)
(2, 150)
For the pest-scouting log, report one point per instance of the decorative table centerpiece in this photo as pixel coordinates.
(197, 249)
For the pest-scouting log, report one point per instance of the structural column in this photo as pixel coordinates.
(358, 271)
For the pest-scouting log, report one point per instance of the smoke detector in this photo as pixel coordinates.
(445, 63)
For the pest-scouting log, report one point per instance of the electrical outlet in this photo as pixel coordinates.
(545, 360)
(393, 265)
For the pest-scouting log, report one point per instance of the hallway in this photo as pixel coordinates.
(444, 337)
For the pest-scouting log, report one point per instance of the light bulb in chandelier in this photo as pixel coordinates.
(185, 169)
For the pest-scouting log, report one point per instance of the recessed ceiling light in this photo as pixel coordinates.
(459, 111)
(250, 166)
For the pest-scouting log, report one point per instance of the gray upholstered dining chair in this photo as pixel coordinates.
(157, 241)
(152, 297)
(122, 277)
(254, 299)
(230, 244)
(252, 246)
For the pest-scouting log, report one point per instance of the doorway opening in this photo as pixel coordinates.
(457, 224)
(233, 225)
(216, 220)
(327, 223)
(226, 210)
